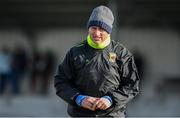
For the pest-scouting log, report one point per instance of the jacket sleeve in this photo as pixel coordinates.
(129, 84)
(64, 80)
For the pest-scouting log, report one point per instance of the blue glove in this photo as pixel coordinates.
(79, 99)
(109, 98)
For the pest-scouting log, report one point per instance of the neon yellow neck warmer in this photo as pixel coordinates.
(98, 46)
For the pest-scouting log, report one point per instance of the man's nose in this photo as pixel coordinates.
(97, 32)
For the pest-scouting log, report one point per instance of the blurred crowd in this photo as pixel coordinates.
(17, 66)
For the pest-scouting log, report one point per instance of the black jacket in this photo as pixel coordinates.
(97, 72)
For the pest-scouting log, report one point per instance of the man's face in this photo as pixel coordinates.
(98, 34)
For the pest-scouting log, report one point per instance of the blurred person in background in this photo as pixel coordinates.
(98, 77)
(48, 71)
(42, 68)
(5, 69)
(18, 67)
(141, 65)
(36, 70)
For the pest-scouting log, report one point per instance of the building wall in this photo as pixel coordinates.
(159, 47)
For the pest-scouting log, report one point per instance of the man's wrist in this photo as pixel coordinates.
(79, 99)
(109, 98)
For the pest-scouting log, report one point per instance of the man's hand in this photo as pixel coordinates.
(102, 103)
(93, 103)
(89, 102)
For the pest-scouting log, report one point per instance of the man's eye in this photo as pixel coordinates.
(93, 28)
(101, 29)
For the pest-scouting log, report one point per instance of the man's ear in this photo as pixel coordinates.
(108, 36)
(88, 30)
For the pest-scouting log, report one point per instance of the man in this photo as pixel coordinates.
(98, 77)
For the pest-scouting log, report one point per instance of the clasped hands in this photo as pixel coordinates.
(93, 103)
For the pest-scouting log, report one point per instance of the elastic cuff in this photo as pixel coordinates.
(109, 98)
(79, 99)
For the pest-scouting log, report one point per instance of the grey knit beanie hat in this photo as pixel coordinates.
(103, 17)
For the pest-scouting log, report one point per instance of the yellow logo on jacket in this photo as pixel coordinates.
(112, 57)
